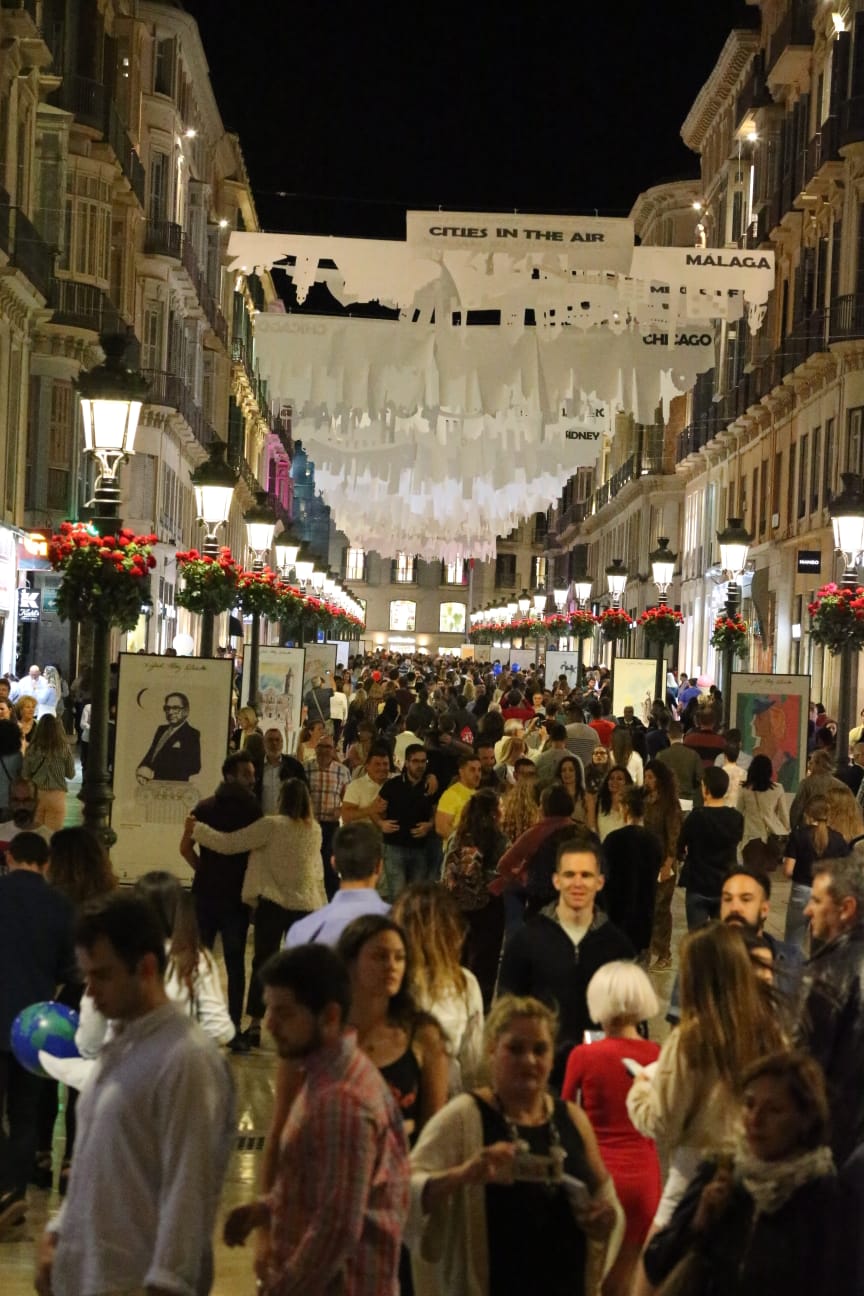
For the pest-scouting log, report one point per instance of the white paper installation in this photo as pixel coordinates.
(432, 434)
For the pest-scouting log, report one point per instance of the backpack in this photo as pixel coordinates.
(465, 877)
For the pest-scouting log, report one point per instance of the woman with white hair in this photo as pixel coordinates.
(619, 997)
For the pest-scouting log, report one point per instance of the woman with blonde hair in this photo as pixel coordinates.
(484, 1221)
(283, 883)
(48, 762)
(247, 724)
(435, 931)
(620, 996)
(815, 840)
(520, 809)
(689, 1104)
(25, 714)
(508, 751)
(623, 754)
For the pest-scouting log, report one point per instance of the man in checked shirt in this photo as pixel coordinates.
(340, 1195)
(328, 779)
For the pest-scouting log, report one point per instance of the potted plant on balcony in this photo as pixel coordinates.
(209, 582)
(615, 623)
(837, 617)
(661, 624)
(104, 578)
(730, 632)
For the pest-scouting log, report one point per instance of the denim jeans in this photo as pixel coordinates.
(700, 909)
(232, 921)
(797, 925)
(406, 864)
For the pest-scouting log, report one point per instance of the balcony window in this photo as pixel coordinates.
(355, 564)
(855, 441)
(61, 444)
(403, 571)
(88, 229)
(505, 571)
(165, 67)
(454, 572)
(538, 572)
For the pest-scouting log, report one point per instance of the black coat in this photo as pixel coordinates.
(179, 759)
(832, 1029)
(218, 880)
(802, 1249)
(541, 960)
(289, 767)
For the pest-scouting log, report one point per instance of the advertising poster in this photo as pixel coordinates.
(772, 711)
(522, 657)
(279, 702)
(320, 660)
(633, 685)
(563, 663)
(172, 724)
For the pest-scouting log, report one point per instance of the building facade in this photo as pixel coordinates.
(778, 129)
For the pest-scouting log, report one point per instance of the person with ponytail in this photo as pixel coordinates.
(812, 841)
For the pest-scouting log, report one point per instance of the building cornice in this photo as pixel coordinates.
(739, 49)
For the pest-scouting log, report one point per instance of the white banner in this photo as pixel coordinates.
(588, 242)
(524, 658)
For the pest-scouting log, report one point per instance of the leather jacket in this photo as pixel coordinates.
(832, 1030)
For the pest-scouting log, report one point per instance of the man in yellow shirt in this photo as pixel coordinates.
(454, 800)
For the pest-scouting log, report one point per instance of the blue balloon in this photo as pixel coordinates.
(48, 1026)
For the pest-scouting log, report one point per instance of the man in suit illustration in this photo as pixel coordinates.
(175, 752)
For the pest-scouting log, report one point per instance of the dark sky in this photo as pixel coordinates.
(357, 112)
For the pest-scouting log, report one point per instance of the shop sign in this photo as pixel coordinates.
(28, 604)
(810, 562)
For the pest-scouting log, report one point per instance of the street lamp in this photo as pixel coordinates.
(734, 545)
(559, 596)
(260, 524)
(111, 399)
(213, 482)
(616, 579)
(287, 548)
(303, 565)
(582, 586)
(524, 603)
(662, 571)
(847, 519)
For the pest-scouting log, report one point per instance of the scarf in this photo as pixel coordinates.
(772, 1183)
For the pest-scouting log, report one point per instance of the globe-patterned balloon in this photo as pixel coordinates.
(49, 1026)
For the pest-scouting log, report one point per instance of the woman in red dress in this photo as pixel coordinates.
(619, 997)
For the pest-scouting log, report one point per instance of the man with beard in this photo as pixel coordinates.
(340, 1191)
(745, 901)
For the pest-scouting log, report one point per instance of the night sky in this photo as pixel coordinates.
(358, 112)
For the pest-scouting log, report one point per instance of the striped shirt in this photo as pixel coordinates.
(340, 1198)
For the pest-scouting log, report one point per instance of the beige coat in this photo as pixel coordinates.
(284, 860)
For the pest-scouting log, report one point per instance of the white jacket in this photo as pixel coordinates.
(284, 860)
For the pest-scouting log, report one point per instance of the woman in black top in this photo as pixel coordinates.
(632, 861)
(812, 841)
(488, 1170)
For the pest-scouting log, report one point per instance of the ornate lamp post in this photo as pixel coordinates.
(616, 580)
(287, 548)
(260, 524)
(111, 398)
(213, 482)
(847, 520)
(662, 571)
(734, 547)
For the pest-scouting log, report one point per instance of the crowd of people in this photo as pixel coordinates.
(461, 885)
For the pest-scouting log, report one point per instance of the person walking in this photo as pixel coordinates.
(340, 1172)
(663, 819)
(470, 866)
(810, 843)
(762, 802)
(36, 955)
(49, 763)
(328, 779)
(632, 862)
(708, 845)
(406, 816)
(358, 863)
(155, 1127)
(217, 885)
(283, 878)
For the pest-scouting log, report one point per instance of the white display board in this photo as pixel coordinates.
(279, 701)
(563, 663)
(633, 685)
(173, 716)
(522, 657)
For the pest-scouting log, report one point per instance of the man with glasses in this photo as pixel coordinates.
(328, 779)
(407, 821)
(174, 754)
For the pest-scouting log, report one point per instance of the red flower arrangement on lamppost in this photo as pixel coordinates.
(837, 617)
(661, 624)
(210, 582)
(615, 624)
(104, 578)
(730, 634)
